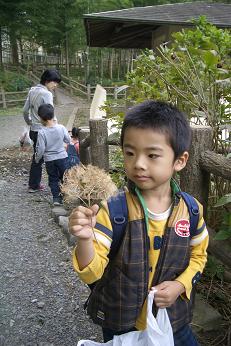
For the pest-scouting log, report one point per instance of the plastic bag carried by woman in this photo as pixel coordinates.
(158, 332)
(24, 139)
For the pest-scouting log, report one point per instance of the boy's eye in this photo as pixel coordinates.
(153, 156)
(129, 153)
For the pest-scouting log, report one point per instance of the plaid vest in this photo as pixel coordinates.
(118, 297)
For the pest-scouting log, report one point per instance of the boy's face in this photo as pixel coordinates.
(149, 159)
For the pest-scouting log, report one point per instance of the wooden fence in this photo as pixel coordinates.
(72, 85)
(194, 178)
(9, 99)
(89, 90)
(16, 98)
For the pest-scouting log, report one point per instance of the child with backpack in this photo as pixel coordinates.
(164, 241)
(50, 146)
(73, 148)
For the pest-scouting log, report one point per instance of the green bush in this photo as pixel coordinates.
(13, 81)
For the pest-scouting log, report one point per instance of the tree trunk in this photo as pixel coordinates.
(86, 65)
(119, 65)
(1, 62)
(216, 164)
(67, 55)
(192, 178)
(21, 51)
(101, 64)
(99, 146)
(14, 46)
(111, 65)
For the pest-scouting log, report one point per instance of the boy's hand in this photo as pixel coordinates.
(82, 220)
(167, 292)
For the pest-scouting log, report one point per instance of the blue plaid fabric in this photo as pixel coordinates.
(185, 337)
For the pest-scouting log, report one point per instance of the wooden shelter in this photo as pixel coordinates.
(147, 27)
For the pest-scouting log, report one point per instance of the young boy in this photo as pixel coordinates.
(155, 251)
(50, 145)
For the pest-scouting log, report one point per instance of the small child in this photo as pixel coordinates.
(50, 146)
(73, 148)
(157, 251)
(75, 138)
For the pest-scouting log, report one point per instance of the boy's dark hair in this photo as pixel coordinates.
(46, 111)
(162, 117)
(75, 132)
(51, 75)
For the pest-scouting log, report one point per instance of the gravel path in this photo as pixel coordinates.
(41, 298)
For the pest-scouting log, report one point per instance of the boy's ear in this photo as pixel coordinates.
(181, 161)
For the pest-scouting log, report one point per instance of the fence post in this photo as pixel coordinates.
(3, 98)
(99, 146)
(115, 93)
(84, 152)
(192, 178)
(88, 92)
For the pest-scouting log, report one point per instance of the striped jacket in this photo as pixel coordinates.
(118, 296)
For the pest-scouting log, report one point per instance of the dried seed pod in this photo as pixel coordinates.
(88, 184)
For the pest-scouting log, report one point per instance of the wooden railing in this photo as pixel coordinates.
(89, 90)
(9, 99)
(85, 90)
(74, 86)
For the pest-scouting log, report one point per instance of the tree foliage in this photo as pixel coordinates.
(56, 25)
(194, 73)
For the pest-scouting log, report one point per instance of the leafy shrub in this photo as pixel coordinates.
(13, 81)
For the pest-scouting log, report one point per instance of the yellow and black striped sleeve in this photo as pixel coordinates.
(102, 244)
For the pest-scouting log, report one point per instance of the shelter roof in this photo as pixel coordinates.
(134, 27)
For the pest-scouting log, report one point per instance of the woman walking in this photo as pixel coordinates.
(38, 95)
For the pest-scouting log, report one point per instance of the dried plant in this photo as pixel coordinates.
(88, 184)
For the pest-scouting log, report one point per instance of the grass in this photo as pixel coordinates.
(10, 111)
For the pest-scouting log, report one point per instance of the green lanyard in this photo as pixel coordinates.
(175, 188)
(143, 204)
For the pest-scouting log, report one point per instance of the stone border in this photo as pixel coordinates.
(60, 215)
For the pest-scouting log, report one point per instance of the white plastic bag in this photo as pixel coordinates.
(158, 332)
(24, 139)
(159, 329)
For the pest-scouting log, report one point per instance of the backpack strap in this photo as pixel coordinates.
(118, 211)
(193, 210)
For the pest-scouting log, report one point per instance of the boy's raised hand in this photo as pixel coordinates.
(167, 292)
(82, 221)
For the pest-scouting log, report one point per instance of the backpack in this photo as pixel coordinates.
(73, 156)
(118, 211)
(119, 215)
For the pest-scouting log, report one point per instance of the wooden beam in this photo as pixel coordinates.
(216, 164)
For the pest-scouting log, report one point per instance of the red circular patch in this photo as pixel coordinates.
(182, 228)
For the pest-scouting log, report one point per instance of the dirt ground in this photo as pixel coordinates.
(41, 298)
